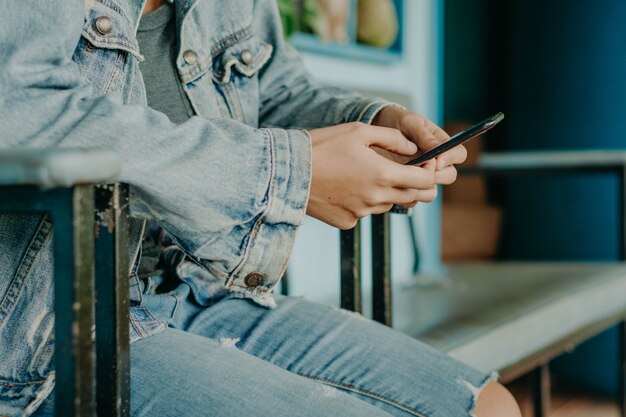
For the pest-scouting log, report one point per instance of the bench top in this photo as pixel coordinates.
(50, 168)
(493, 316)
(547, 160)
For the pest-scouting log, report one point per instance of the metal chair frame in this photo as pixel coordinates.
(79, 255)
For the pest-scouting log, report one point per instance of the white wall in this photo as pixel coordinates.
(314, 267)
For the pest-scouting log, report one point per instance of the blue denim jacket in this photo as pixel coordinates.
(230, 186)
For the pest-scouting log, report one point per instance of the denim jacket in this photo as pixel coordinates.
(230, 185)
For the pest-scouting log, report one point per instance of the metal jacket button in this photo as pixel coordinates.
(254, 279)
(104, 25)
(246, 57)
(190, 57)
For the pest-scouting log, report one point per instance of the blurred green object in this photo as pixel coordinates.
(298, 16)
(377, 23)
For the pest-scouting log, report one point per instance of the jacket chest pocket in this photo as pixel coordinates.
(236, 67)
(107, 56)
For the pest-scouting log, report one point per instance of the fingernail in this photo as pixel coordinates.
(412, 147)
(443, 163)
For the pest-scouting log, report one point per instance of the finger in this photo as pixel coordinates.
(456, 155)
(430, 165)
(410, 196)
(438, 132)
(381, 208)
(416, 129)
(390, 139)
(446, 176)
(405, 176)
(409, 205)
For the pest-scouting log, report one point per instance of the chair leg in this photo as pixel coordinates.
(540, 379)
(381, 268)
(414, 244)
(112, 306)
(350, 243)
(622, 369)
(72, 216)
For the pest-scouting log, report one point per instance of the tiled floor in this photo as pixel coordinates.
(567, 401)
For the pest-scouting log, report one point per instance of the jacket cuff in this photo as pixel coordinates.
(272, 237)
(367, 111)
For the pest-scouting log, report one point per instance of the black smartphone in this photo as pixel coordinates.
(459, 138)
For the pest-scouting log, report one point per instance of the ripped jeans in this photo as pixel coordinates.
(301, 359)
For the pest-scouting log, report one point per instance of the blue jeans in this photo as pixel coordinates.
(236, 358)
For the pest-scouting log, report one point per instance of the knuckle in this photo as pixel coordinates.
(371, 198)
(353, 220)
(358, 126)
(347, 223)
(452, 176)
(409, 117)
(383, 176)
(463, 153)
(447, 176)
(383, 208)
(431, 195)
(361, 212)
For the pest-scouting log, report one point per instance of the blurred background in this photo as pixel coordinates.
(557, 70)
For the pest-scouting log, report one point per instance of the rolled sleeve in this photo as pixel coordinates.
(366, 112)
(271, 238)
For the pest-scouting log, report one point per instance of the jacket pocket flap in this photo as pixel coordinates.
(106, 26)
(247, 56)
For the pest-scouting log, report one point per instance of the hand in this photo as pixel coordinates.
(351, 180)
(426, 135)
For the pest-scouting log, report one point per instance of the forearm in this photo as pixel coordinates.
(204, 181)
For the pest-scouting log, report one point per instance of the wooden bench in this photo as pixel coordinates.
(516, 317)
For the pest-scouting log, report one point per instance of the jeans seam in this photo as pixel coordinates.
(32, 251)
(365, 393)
(25, 384)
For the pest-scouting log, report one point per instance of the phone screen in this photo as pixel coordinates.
(459, 138)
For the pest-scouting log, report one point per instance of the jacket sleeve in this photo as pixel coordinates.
(230, 194)
(290, 96)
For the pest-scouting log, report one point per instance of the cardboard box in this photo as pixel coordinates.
(468, 189)
(469, 232)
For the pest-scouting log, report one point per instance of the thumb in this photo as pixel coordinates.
(390, 139)
(416, 129)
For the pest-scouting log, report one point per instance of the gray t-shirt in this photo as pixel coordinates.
(157, 42)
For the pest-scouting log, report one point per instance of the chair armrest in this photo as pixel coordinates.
(52, 168)
(503, 162)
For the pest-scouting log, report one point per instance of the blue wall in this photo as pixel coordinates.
(565, 88)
